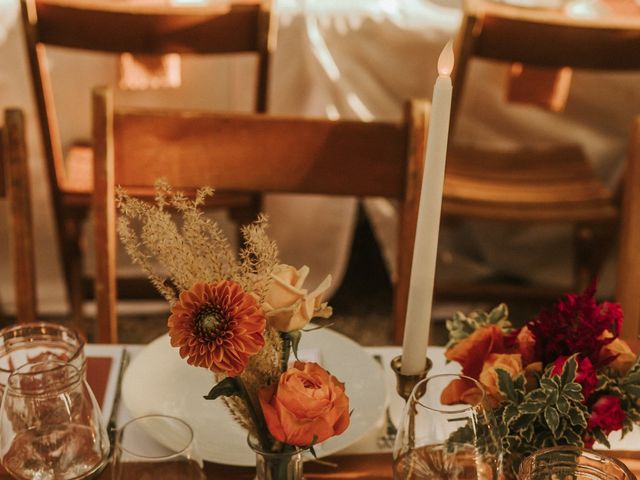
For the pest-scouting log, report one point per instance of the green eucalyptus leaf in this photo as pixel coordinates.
(531, 407)
(563, 405)
(569, 370)
(505, 385)
(552, 418)
(225, 388)
(601, 437)
(577, 417)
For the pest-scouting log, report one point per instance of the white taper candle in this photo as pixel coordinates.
(423, 267)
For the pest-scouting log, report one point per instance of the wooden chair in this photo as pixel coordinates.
(628, 286)
(253, 153)
(535, 185)
(115, 28)
(15, 186)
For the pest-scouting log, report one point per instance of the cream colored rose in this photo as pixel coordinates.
(288, 306)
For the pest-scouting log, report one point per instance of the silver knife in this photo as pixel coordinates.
(113, 418)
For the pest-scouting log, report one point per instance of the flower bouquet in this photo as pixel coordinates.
(240, 316)
(565, 378)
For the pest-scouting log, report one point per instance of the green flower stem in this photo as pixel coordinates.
(286, 351)
(258, 419)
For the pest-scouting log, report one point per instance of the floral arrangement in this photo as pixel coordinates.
(238, 315)
(565, 378)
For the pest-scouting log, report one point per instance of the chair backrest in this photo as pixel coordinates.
(116, 27)
(14, 184)
(253, 153)
(628, 286)
(544, 38)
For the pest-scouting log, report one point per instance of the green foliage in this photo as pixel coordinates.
(462, 325)
(627, 388)
(552, 414)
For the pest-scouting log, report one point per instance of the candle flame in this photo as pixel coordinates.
(445, 62)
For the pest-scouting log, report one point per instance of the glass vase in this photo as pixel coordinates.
(277, 465)
(572, 463)
(437, 440)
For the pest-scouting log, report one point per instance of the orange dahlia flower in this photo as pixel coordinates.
(217, 326)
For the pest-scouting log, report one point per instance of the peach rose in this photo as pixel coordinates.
(307, 406)
(288, 306)
(624, 356)
(472, 352)
(510, 362)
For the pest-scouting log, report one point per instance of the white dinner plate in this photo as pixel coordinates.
(159, 381)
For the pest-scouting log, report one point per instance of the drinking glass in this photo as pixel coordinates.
(50, 424)
(139, 454)
(37, 342)
(438, 441)
(572, 463)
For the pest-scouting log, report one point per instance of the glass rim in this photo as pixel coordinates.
(11, 331)
(120, 432)
(72, 380)
(528, 461)
(466, 408)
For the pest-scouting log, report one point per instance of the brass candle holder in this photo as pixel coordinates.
(406, 383)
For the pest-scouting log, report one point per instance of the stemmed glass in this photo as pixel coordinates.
(438, 441)
(139, 454)
(50, 424)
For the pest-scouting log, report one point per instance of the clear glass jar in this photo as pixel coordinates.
(277, 465)
(572, 463)
(38, 342)
(50, 424)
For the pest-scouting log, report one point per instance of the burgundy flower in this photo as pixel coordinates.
(575, 325)
(607, 414)
(585, 375)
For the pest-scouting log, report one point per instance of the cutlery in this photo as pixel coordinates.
(113, 418)
(387, 439)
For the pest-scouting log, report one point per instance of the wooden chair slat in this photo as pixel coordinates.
(18, 192)
(248, 154)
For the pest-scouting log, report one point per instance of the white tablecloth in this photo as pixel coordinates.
(344, 58)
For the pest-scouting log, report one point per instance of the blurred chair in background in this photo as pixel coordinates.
(253, 154)
(628, 286)
(15, 186)
(118, 28)
(535, 185)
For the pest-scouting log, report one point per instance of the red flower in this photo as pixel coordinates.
(607, 414)
(575, 325)
(585, 376)
(217, 326)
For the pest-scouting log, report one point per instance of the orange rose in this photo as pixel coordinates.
(307, 406)
(510, 362)
(526, 345)
(530, 377)
(461, 390)
(625, 358)
(472, 352)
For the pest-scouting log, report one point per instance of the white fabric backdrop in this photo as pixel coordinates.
(340, 58)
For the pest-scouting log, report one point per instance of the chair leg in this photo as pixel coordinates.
(245, 214)
(590, 247)
(72, 255)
